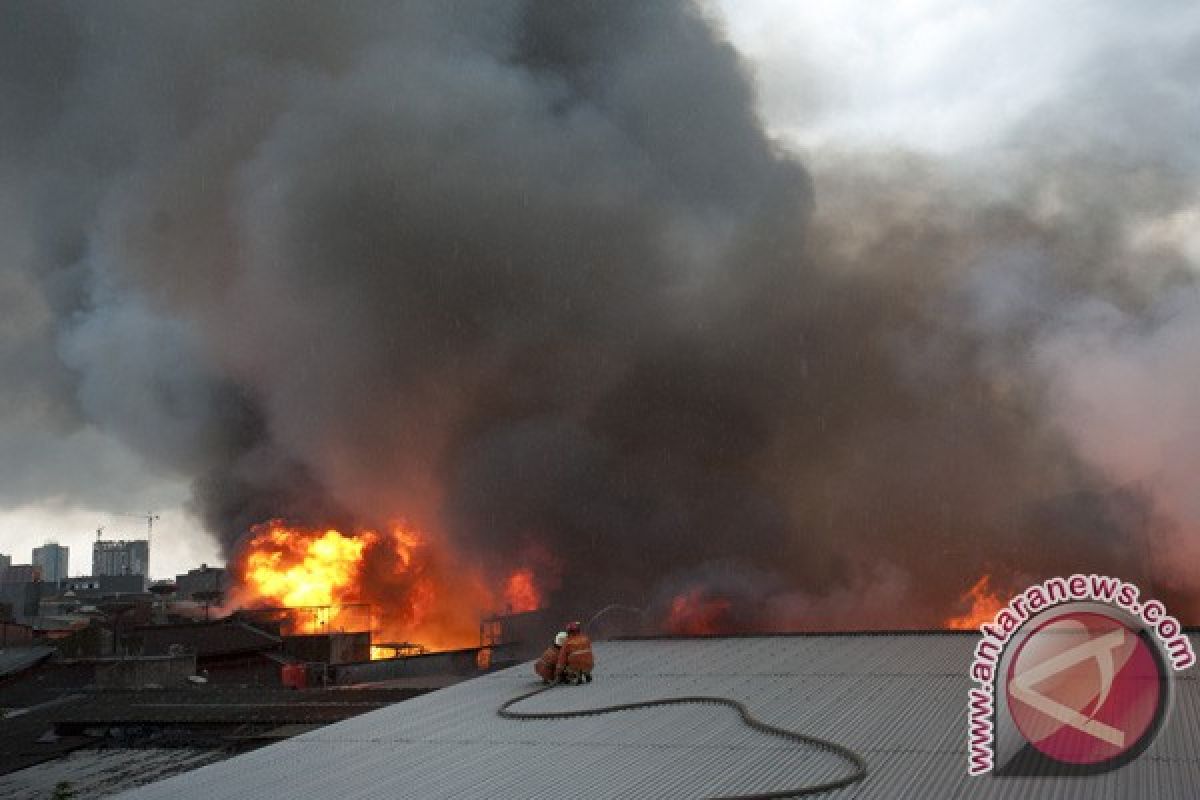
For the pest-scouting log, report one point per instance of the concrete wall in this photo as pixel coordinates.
(12, 634)
(332, 648)
(251, 669)
(453, 662)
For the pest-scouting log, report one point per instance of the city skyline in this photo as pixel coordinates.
(69, 570)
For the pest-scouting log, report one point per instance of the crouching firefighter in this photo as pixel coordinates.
(575, 658)
(547, 665)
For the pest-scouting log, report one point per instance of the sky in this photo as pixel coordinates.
(965, 82)
(932, 75)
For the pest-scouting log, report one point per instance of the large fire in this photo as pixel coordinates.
(408, 592)
(412, 590)
(694, 613)
(983, 604)
(288, 567)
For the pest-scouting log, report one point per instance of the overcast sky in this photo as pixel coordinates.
(940, 76)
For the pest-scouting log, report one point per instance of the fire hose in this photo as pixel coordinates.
(858, 763)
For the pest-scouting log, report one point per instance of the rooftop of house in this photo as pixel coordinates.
(899, 700)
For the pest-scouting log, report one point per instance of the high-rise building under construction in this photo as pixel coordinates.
(120, 557)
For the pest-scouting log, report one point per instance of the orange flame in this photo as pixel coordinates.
(289, 568)
(693, 613)
(984, 604)
(521, 593)
(415, 592)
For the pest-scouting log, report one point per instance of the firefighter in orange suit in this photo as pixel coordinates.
(575, 658)
(548, 663)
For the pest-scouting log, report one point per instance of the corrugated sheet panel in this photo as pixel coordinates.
(900, 700)
(16, 659)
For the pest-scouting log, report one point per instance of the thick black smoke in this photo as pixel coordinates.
(532, 276)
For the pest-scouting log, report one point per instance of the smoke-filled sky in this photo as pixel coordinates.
(824, 308)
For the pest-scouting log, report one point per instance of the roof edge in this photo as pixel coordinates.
(1192, 629)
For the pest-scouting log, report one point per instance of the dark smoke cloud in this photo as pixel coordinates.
(533, 275)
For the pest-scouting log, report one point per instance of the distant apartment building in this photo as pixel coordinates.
(120, 557)
(202, 579)
(53, 558)
(5, 561)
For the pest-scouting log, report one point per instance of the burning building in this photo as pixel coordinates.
(397, 575)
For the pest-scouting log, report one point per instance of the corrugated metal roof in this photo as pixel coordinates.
(16, 659)
(900, 700)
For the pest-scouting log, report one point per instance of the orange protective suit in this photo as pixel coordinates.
(546, 665)
(575, 655)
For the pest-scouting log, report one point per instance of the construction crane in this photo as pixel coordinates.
(150, 518)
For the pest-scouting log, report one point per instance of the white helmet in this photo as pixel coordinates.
(561, 638)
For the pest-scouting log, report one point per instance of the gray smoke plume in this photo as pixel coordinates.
(533, 277)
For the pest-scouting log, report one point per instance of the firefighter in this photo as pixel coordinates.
(575, 658)
(546, 665)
